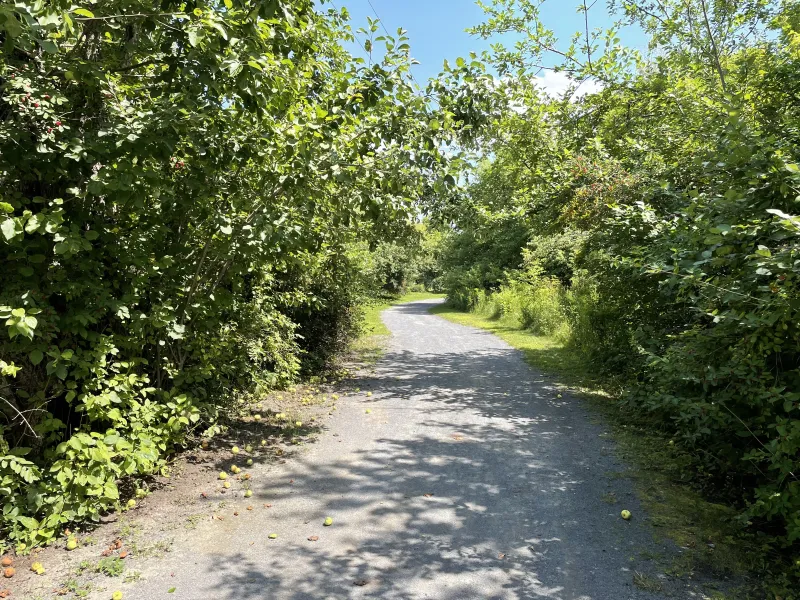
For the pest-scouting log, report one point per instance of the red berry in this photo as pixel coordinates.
(35, 105)
(58, 123)
(47, 96)
(49, 129)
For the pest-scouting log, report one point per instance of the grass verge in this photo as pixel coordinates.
(368, 348)
(711, 541)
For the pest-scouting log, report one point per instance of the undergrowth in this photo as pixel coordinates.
(711, 540)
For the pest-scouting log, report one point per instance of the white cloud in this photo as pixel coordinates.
(556, 85)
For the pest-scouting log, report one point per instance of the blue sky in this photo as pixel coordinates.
(436, 27)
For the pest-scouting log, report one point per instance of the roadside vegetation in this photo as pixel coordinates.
(205, 201)
(195, 196)
(643, 240)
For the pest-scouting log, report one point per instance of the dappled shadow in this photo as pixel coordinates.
(464, 475)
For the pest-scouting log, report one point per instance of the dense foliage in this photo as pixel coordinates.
(653, 225)
(186, 190)
(411, 264)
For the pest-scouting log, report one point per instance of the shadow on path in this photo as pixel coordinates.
(467, 478)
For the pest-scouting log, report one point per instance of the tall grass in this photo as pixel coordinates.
(542, 306)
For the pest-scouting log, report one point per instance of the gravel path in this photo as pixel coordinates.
(462, 476)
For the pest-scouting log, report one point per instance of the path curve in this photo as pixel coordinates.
(467, 478)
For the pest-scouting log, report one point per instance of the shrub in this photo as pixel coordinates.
(181, 196)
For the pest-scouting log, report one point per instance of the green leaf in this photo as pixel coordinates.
(36, 357)
(763, 251)
(83, 12)
(222, 32)
(9, 228)
(48, 46)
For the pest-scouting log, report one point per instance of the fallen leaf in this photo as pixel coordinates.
(249, 508)
(117, 544)
(268, 506)
(235, 514)
(501, 555)
(428, 495)
(361, 582)
(171, 590)
(313, 538)
(5, 593)
(123, 554)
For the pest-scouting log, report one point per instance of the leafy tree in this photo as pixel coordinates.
(183, 186)
(666, 203)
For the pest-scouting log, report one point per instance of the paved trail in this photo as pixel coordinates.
(469, 478)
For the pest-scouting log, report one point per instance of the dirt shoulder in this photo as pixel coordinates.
(119, 550)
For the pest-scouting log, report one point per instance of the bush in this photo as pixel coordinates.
(182, 193)
(665, 209)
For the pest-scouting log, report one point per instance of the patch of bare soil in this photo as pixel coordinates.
(193, 491)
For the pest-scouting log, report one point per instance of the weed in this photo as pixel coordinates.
(80, 590)
(84, 565)
(193, 520)
(155, 550)
(110, 566)
(647, 583)
(132, 576)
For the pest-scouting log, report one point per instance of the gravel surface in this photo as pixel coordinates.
(462, 476)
